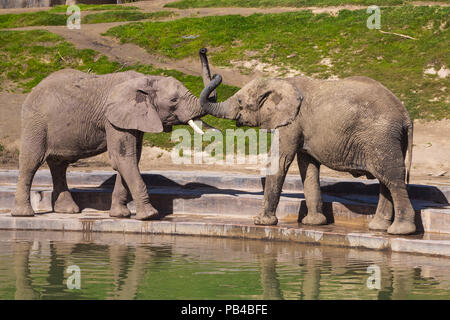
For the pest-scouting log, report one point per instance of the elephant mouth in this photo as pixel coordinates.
(171, 120)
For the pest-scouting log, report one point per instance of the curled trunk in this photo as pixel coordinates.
(206, 73)
(217, 109)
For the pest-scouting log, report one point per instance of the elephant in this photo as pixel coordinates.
(72, 115)
(353, 124)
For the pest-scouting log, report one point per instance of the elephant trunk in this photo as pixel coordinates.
(217, 109)
(206, 73)
(194, 107)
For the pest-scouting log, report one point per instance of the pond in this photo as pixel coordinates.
(58, 265)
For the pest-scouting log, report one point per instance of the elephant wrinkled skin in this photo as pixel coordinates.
(353, 124)
(72, 115)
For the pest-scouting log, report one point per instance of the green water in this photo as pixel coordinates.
(33, 265)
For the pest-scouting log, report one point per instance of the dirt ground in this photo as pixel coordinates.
(431, 154)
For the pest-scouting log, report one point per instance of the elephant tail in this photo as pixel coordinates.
(408, 163)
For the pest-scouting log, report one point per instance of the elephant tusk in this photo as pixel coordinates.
(195, 127)
(207, 126)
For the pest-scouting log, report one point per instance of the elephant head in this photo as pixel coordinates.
(267, 103)
(150, 103)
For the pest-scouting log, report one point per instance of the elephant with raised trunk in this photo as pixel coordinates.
(72, 115)
(353, 124)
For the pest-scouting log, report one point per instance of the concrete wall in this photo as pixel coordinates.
(4, 4)
(29, 3)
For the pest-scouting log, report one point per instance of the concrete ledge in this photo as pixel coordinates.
(346, 202)
(236, 181)
(349, 210)
(202, 225)
(292, 206)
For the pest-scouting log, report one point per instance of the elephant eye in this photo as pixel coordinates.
(174, 99)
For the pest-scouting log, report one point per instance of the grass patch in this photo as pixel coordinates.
(27, 57)
(184, 4)
(321, 46)
(44, 18)
(116, 16)
(94, 7)
(40, 18)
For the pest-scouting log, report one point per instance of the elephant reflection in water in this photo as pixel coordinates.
(128, 264)
(128, 278)
(320, 263)
(53, 258)
(24, 288)
(269, 278)
(270, 283)
(396, 282)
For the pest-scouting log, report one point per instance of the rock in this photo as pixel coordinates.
(190, 37)
(440, 174)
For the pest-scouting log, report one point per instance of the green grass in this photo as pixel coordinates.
(44, 18)
(40, 18)
(94, 7)
(115, 16)
(27, 57)
(183, 4)
(350, 46)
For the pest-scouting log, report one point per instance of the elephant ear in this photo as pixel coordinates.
(131, 106)
(279, 103)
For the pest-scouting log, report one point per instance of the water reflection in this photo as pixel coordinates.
(34, 266)
(24, 289)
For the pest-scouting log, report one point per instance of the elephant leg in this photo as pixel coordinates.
(123, 151)
(274, 183)
(61, 198)
(119, 201)
(390, 171)
(404, 212)
(385, 209)
(32, 155)
(309, 172)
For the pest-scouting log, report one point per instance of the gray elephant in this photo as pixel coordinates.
(72, 115)
(354, 125)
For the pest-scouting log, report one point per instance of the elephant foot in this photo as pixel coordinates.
(119, 211)
(314, 219)
(265, 220)
(402, 227)
(379, 224)
(147, 213)
(65, 204)
(22, 211)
